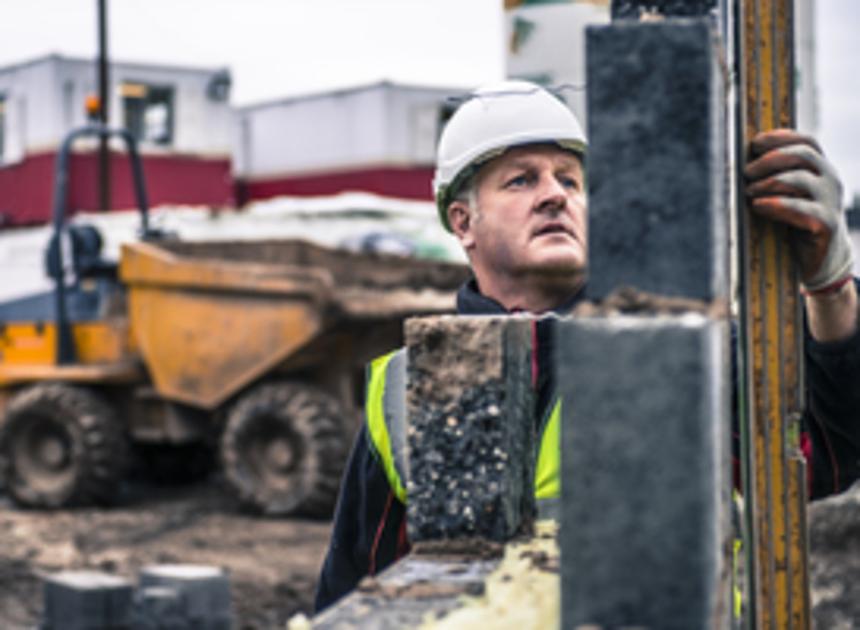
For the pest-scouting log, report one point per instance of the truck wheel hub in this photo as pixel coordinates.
(53, 453)
(280, 454)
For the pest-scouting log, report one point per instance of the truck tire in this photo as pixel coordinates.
(61, 446)
(283, 450)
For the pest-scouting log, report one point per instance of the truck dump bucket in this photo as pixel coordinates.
(212, 317)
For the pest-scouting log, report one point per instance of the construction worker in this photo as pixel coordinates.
(510, 185)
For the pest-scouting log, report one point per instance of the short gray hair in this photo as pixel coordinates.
(467, 192)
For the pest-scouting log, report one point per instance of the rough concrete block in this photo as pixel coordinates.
(658, 210)
(203, 594)
(86, 600)
(411, 591)
(471, 441)
(645, 486)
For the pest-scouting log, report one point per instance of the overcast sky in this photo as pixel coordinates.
(838, 39)
(275, 48)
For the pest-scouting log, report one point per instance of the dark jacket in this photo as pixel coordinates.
(831, 422)
(370, 527)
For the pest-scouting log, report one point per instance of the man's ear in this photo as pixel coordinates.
(460, 220)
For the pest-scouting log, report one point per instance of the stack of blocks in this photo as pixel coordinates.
(644, 538)
(168, 596)
(645, 484)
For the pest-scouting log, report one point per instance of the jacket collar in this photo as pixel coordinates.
(470, 301)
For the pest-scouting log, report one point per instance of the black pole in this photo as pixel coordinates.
(65, 348)
(104, 154)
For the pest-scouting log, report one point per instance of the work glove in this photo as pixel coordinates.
(790, 181)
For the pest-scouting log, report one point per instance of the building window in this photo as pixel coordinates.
(148, 112)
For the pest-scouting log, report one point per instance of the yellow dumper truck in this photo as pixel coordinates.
(255, 348)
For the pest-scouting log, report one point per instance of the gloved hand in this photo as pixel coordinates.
(790, 181)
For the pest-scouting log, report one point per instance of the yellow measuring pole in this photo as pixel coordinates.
(775, 476)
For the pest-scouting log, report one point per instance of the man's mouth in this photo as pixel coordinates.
(553, 228)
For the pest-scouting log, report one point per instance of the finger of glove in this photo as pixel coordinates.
(812, 187)
(766, 141)
(796, 157)
(827, 188)
(776, 187)
(811, 237)
(800, 185)
(802, 214)
(825, 253)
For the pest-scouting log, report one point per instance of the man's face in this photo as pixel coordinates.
(531, 216)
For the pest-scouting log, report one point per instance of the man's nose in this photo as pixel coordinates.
(551, 194)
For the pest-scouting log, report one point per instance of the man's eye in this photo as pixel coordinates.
(519, 180)
(569, 182)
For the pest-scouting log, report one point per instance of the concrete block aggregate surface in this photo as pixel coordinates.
(471, 430)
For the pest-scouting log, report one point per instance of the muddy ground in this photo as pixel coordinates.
(273, 564)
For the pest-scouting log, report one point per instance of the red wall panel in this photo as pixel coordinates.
(26, 188)
(402, 182)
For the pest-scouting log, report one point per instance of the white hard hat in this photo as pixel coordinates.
(495, 118)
